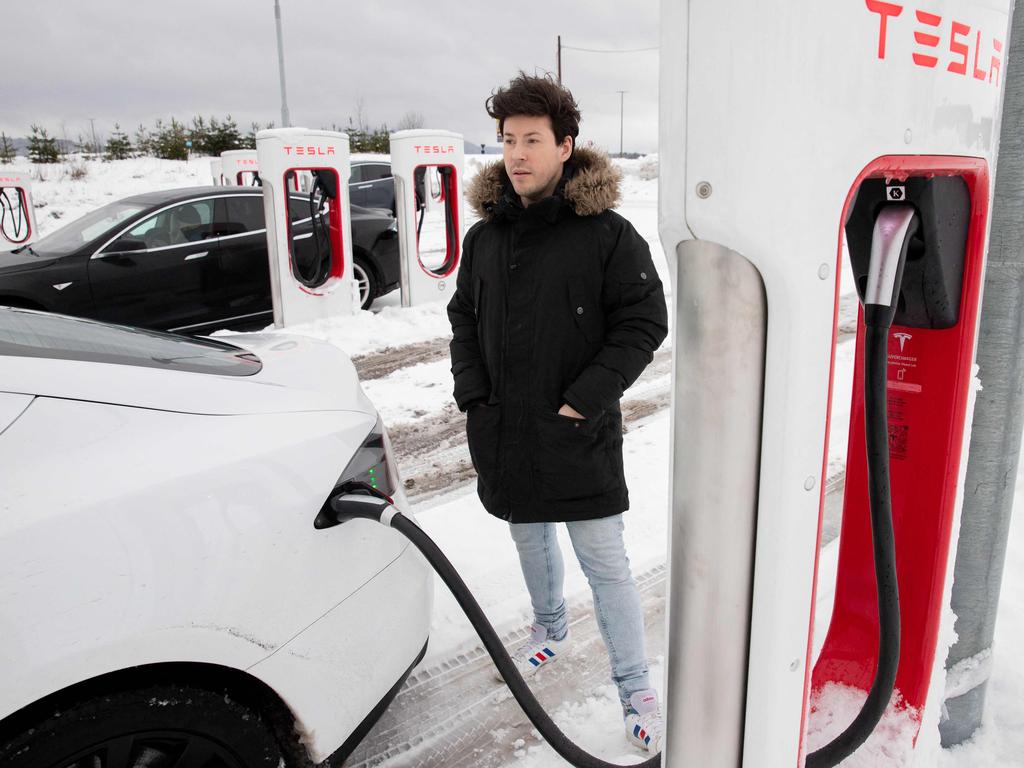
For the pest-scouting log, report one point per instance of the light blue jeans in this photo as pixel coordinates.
(602, 555)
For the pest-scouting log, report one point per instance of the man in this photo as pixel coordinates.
(557, 310)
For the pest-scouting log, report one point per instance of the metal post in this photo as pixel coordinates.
(622, 102)
(998, 421)
(285, 119)
(559, 57)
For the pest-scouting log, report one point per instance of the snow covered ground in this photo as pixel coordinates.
(478, 544)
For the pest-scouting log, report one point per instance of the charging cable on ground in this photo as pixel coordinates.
(357, 500)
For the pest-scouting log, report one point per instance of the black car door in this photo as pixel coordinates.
(240, 227)
(380, 192)
(162, 273)
(357, 189)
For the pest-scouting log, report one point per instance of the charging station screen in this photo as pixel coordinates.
(14, 221)
(437, 219)
(314, 226)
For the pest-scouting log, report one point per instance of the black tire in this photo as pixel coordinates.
(366, 277)
(151, 726)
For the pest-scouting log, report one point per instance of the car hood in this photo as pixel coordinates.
(23, 260)
(298, 374)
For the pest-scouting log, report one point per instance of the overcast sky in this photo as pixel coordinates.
(133, 61)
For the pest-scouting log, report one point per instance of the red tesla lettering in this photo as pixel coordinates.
(960, 67)
(287, 150)
(996, 66)
(884, 11)
(979, 74)
(927, 39)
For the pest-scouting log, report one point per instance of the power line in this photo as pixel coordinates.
(597, 50)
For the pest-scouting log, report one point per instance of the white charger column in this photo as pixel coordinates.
(17, 215)
(309, 240)
(427, 166)
(240, 168)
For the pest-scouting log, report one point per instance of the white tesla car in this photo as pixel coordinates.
(165, 599)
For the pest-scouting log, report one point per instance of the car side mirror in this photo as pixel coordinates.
(126, 244)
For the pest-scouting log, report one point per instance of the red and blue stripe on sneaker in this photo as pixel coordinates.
(641, 734)
(541, 656)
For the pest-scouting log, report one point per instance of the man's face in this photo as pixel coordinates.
(533, 159)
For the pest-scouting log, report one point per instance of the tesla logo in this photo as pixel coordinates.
(965, 50)
(245, 161)
(903, 339)
(896, 193)
(309, 150)
(434, 149)
(10, 179)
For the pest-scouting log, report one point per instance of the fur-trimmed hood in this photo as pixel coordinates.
(592, 187)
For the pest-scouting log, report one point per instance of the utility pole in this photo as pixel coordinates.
(285, 119)
(92, 130)
(622, 103)
(559, 58)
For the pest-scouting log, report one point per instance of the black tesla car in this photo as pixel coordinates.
(187, 260)
(372, 185)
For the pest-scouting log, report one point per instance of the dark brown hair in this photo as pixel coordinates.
(536, 96)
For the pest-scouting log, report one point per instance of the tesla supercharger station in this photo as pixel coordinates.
(217, 171)
(308, 232)
(17, 216)
(240, 167)
(789, 135)
(427, 167)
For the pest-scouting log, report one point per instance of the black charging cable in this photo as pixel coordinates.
(447, 174)
(420, 192)
(319, 270)
(895, 227)
(7, 208)
(359, 500)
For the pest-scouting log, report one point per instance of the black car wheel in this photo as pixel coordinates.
(163, 726)
(366, 279)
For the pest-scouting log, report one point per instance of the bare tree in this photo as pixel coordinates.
(410, 119)
(360, 122)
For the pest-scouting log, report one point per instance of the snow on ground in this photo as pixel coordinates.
(478, 544)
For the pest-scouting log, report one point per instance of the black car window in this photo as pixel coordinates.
(241, 213)
(24, 333)
(298, 208)
(357, 174)
(89, 227)
(178, 225)
(376, 172)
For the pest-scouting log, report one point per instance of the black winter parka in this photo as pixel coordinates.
(558, 302)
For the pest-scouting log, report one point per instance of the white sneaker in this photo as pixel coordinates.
(536, 652)
(645, 727)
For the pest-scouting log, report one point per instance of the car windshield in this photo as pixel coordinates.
(89, 227)
(24, 333)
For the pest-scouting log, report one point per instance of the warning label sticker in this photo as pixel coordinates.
(898, 440)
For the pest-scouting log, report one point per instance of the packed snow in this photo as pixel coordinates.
(478, 544)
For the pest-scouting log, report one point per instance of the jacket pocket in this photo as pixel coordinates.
(483, 428)
(573, 458)
(585, 310)
(478, 308)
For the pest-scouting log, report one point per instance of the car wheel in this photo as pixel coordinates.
(366, 279)
(162, 725)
